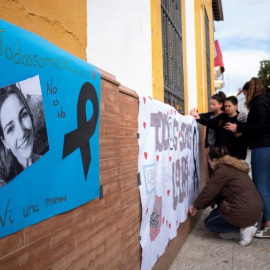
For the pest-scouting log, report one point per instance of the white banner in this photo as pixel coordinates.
(168, 174)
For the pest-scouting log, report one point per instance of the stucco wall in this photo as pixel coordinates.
(62, 22)
(191, 55)
(102, 234)
(119, 41)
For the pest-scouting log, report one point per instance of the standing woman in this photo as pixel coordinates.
(16, 134)
(257, 129)
(217, 107)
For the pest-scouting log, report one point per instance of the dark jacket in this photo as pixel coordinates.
(241, 203)
(237, 146)
(208, 115)
(257, 127)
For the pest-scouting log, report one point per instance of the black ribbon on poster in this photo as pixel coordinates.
(79, 138)
(195, 175)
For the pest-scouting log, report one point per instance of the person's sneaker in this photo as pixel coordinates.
(265, 233)
(228, 236)
(247, 235)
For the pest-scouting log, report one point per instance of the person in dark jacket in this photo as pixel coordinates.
(217, 107)
(257, 130)
(234, 142)
(239, 203)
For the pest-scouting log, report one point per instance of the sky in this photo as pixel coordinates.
(244, 39)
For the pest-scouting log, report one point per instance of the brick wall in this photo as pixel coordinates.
(102, 234)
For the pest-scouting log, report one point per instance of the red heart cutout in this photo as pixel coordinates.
(163, 220)
(170, 158)
(150, 97)
(157, 157)
(146, 211)
(144, 100)
(170, 225)
(168, 192)
(144, 124)
(179, 134)
(145, 155)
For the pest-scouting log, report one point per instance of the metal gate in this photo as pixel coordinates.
(173, 54)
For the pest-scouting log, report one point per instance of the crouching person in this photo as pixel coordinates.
(239, 205)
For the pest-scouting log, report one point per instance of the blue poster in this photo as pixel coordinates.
(49, 130)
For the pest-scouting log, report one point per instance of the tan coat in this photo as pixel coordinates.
(241, 203)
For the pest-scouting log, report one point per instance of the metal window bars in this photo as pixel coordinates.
(173, 54)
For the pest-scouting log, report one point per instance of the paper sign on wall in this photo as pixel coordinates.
(49, 130)
(168, 172)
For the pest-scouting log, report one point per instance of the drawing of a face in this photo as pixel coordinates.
(16, 124)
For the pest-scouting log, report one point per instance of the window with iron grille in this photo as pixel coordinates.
(172, 54)
(208, 62)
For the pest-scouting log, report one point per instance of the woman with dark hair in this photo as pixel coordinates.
(217, 107)
(239, 205)
(16, 133)
(257, 130)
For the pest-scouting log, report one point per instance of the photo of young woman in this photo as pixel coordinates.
(17, 133)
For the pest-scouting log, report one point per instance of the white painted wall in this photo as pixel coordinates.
(119, 41)
(191, 55)
(204, 89)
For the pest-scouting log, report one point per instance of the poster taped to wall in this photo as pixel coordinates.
(168, 174)
(49, 130)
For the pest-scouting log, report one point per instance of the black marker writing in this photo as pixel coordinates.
(3, 222)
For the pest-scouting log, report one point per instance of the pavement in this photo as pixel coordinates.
(204, 250)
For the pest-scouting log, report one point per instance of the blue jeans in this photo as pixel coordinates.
(215, 223)
(260, 165)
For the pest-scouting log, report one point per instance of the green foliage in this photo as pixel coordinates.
(264, 72)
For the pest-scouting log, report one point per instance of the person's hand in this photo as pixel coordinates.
(192, 210)
(194, 111)
(238, 134)
(196, 116)
(231, 127)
